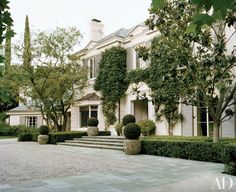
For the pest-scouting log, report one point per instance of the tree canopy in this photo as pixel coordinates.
(51, 77)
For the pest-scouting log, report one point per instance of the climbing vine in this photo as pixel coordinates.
(111, 81)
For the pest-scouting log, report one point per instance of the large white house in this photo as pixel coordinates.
(196, 122)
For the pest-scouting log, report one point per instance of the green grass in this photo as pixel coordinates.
(7, 137)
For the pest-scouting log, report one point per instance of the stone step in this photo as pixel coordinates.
(105, 137)
(92, 146)
(99, 139)
(95, 142)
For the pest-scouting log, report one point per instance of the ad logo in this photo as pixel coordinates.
(223, 183)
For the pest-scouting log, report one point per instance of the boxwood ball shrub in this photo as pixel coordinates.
(132, 131)
(128, 119)
(148, 127)
(43, 130)
(92, 122)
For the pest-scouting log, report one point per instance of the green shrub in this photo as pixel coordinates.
(92, 122)
(7, 130)
(118, 128)
(229, 158)
(192, 150)
(25, 137)
(128, 119)
(62, 136)
(148, 127)
(43, 130)
(104, 133)
(27, 133)
(132, 131)
(3, 117)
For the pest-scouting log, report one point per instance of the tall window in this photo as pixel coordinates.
(92, 70)
(204, 122)
(31, 121)
(86, 112)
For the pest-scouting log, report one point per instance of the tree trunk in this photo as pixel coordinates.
(216, 132)
(64, 122)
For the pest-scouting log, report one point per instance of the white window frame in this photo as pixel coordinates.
(31, 121)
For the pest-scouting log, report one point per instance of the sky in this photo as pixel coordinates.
(49, 14)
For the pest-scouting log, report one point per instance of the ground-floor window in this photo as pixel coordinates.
(31, 121)
(86, 112)
(204, 122)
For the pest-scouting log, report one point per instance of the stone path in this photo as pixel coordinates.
(29, 167)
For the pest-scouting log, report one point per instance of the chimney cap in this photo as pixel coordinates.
(96, 20)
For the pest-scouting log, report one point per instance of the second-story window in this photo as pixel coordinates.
(140, 63)
(92, 70)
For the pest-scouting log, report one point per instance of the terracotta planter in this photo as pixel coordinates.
(43, 139)
(132, 146)
(92, 131)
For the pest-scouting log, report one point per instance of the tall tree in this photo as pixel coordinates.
(5, 21)
(8, 50)
(51, 77)
(27, 44)
(207, 76)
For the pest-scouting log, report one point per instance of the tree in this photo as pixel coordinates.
(210, 12)
(169, 53)
(27, 45)
(207, 78)
(5, 21)
(51, 77)
(8, 50)
(111, 81)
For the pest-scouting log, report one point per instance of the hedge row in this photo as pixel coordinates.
(192, 150)
(7, 130)
(62, 136)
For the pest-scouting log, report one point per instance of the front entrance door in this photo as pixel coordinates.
(140, 110)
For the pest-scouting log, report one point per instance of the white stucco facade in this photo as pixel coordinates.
(90, 103)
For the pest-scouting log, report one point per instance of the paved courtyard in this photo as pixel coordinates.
(27, 167)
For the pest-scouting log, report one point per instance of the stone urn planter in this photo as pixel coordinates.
(92, 129)
(43, 138)
(132, 144)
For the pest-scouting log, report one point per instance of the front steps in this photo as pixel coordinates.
(102, 142)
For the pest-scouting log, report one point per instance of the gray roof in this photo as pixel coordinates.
(22, 108)
(122, 32)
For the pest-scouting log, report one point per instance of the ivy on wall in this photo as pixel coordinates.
(111, 81)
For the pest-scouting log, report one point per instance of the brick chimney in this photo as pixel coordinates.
(96, 30)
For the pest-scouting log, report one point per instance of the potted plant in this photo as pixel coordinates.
(92, 129)
(129, 118)
(43, 137)
(132, 144)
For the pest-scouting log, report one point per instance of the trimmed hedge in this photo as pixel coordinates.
(192, 150)
(132, 131)
(69, 135)
(28, 134)
(62, 136)
(92, 121)
(7, 130)
(43, 130)
(104, 133)
(229, 159)
(129, 118)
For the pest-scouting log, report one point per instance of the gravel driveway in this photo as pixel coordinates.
(30, 167)
(23, 161)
